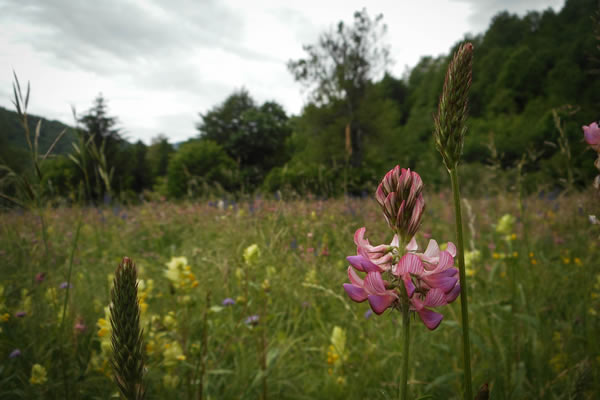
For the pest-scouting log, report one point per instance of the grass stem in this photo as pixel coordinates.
(468, 394)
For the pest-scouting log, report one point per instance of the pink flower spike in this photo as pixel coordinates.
(431, 319)
(363, 264)
(356, 293)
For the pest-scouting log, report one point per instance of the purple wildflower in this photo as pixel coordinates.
(64, 285)
(15, 353)
(228, 301)
(368, 314)
(252, 320)
(20, 314)
(40, 277)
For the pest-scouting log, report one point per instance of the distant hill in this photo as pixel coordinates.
(12, 135)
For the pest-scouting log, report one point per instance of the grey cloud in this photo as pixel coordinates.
(484, 10)
(110, 35)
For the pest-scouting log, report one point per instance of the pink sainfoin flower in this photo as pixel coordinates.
(397, 275)
(591, 134)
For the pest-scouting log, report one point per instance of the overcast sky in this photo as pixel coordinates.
(159, 63)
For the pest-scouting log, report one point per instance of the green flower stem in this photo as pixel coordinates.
(463, 284)
(406, 348)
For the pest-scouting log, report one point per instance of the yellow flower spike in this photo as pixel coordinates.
(566, 260)
(515, 254)
(531, 255)
(4, 317)
(577, 261)
(533, 261)
(495, 255)
(513, 236)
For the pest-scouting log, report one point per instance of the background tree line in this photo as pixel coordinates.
(534, 84)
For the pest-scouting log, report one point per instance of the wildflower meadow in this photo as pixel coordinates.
(246, 300)
(441, 278)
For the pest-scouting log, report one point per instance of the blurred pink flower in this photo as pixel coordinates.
(591, 134)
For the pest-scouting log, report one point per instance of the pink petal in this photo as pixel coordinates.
(433, 250)
(355, 293)
(374, 283)
(453, 294)
(445, 261)
(435, 298)
(440, 281)
(451, 249)
(359, 237)
(409, 263)
(363, 264)
(431, 319)
(408, 285)
(412, 245)
(380, 303)
(354, 278)
(395, 241)
(380, 194)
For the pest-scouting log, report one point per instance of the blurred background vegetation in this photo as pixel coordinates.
(534, 84)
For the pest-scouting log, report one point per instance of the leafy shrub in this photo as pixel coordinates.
(199, 166)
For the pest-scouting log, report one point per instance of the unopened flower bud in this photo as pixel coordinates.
(399, 195)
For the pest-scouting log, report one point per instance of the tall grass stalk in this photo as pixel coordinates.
(64, 309)
(464, 302)
(450, 130)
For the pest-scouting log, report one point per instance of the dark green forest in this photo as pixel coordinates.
(535, 83)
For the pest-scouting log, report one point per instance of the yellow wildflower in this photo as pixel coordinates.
(169, 321)
(337, 349)
(251, 254)
(172, 353)
(505, 224)
(577, 261)
(4, 317)
(38, 375)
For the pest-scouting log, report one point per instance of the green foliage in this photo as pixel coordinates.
(11, 134)
(339, 69)
(157, 156)
(200, 166)
(252, 135)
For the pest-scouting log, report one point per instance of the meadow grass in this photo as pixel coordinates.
(534, 300)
